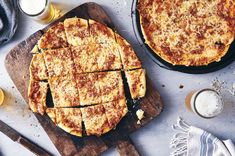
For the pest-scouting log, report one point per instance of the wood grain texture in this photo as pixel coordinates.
(17, 64)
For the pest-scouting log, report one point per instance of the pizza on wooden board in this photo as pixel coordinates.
(189, 33)
(83, 63)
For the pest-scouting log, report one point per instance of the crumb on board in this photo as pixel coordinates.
(140, 115)
(163, 85)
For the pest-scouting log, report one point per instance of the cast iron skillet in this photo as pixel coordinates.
(214, 66)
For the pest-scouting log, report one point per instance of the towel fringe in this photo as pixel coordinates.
(179, 141)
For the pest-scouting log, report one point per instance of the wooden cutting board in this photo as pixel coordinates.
(17, 64)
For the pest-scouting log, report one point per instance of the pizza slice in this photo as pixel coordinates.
(59, 62)
(37, 92)
(77, 31)
(54, 38)
(111, 86)
(100, 33)
(95, 120)
(88, 86)
(108, 58)
(115, 111)
(84, 58)
(136, 82)
(37, 68)
(64, 91)
(128, 56)
(68, 119)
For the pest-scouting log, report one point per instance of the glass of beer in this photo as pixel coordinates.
(206, 103)
(39, 10)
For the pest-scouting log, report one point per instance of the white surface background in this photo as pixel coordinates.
(151, 140)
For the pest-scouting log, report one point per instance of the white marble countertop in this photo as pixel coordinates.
(154, 138)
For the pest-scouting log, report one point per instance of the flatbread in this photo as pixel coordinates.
(128, 56)
(37, 92)
(96, 57)
(59, 62)
(95, 120)
(115, 111)
(54, 38)
(68, 119)
(100, 33)
(111, 86)
(64, 91)
(89, 90)
(77, 31)
(189, 33)
(136, 82)
(37, 68)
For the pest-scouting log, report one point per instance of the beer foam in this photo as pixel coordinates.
(208, 103)
(32, 7)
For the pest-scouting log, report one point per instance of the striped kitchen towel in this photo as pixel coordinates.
(193, 141)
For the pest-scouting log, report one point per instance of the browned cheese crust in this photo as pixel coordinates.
(115, 111)
(64, 91)
(68, 119)
(54, 38)
(59, 62)
(37, 92)
(95, 120)
(37, 68)
(189, 33)
(136, 82)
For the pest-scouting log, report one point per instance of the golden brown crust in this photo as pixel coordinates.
(128, 56)
(64, 91)
(111, 86)
(37, 68)
(115, 111)
(96, 57)
(95, 120)
(54, 38)
(59, 62)
(68, 119)
(189, 33)
(37, 92)
(136, 82)
(100, 34)
(88, 86)
(77, 31)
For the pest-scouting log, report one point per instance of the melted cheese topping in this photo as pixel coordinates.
(186, 32)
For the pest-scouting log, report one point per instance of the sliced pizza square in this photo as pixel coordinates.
(37, 93)
(108, 58)
(111, 86)
(77, 31)
(137, 83)
(128, 56)
(88, 86)
(64, 91)
(100, 33)
(115, 111)
(59, 62)
(68, 119)
(54, 38)
(37, 68)
(84, 58)
(95, 120)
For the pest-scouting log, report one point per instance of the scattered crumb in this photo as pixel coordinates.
(163, 85)
(217, 85)
(181, 86)
(12, 87)
(140, 115)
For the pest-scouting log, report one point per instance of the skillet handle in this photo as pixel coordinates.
(125, 147)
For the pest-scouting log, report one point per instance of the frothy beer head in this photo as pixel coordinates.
(207, 103)
(32, 7)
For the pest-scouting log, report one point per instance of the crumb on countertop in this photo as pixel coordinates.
(181, 86)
